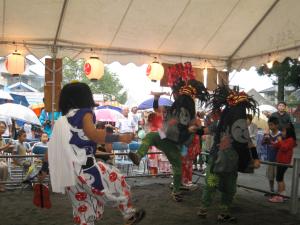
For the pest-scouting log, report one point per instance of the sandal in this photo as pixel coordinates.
(226, 218)
(177, 196)
(276, 199)
(202, 212)
(136, 218)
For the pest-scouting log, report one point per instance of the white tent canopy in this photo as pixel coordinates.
(240, 33)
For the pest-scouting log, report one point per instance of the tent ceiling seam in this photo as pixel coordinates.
(3, 19)
(59, 27)
(220, 26)
(267, 53)
(174, 25)
(81, 46)
(254, 28)
(121, 23)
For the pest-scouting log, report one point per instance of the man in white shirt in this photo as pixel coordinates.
(126, 124)
(8, 122)
(136, 117)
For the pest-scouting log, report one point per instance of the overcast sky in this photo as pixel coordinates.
(138, 86)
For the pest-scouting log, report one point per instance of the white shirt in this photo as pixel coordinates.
(125, 125)
(7, 121)
(136, 117)
(27, 128)
(253, 133)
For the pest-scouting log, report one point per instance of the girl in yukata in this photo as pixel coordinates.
(72, 165)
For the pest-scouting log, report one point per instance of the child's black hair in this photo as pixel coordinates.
(75, 96)
(21, 132)
(282, 102)
(273, 120)
(290, 131)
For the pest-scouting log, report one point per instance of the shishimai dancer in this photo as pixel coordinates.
(230, 152)
(176, 130)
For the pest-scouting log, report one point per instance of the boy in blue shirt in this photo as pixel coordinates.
(268, 140)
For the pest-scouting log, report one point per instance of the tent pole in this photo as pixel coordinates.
(54, 53)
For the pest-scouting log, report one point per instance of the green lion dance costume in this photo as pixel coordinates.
(223, 165)
(177, 133)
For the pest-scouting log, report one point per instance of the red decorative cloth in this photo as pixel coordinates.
(179, 70)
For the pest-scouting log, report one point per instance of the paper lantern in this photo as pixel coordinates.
(270, 64)
(155, 71)
(15, 64)
(94, 68)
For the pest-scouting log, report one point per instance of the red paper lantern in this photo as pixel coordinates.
(155, 71)
(94, 68)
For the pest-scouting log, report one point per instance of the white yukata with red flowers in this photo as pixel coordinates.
(98, 185)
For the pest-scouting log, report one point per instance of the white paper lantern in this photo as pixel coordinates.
(15, 64)
(155, 71)
(94, 68)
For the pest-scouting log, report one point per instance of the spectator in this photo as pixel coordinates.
(3, 148)
(8, 124)
(28, 129)
(268, 140)
(41, 147)
(22, 148)
(47, 119)
(252, 128)
(126, 124)
(284, 118)
(284, 149)
(136, 117)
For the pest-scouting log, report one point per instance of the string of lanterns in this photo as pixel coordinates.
(15, 64)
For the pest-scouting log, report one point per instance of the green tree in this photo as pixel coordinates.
(109, 84)
(287, 73)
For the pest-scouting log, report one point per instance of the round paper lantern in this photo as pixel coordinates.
(94, 68)
(155, 71)
(270, 64)
(15, 64)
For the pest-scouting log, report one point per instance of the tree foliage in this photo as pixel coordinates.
(287, 73)
(109, 84)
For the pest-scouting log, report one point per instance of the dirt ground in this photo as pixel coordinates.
(152, 194)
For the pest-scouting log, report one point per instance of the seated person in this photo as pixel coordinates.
(42, 146)
(21, 149)
(103, 150)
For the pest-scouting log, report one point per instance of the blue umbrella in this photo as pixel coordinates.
(148, 104)
(110, 107)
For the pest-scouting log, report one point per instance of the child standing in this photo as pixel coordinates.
(284, 149)
(269, 139)
(73, 169)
